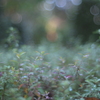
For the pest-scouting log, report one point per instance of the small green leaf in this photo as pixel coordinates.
(42, 52)
(22, 53)
(18, 55)
(41, 90)
(78, 94)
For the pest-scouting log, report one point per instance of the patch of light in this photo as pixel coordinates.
(48, 6)
(96, 19)
(60, 3)
(68, 4)
(76, 2)
(50, 1)
(94, 10)
(16, 18)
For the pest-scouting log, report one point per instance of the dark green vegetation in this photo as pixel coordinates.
(50, 72)
(87, 20)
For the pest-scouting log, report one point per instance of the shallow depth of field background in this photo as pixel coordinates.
(65, 22)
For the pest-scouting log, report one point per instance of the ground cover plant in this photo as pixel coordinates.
(50, 72)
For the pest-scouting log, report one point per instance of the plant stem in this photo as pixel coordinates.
(3, 95)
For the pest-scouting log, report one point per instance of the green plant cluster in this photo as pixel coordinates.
(12, 41)
(50, 72)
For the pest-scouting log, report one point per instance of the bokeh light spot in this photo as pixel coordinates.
(76, 2)
(52, 36)
(60, 3)
(96, 19)
(50, 1)
(69, 4)
(16, 18)
(49, 6)
(51, 28)
(94, 10)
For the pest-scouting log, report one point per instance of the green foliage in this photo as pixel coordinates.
(97, 32)
(12, 41)
(50, 72)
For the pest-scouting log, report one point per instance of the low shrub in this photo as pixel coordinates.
(50, 73)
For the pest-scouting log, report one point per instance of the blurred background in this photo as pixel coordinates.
(34, 22)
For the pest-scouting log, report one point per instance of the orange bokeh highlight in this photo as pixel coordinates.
(51, 28)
